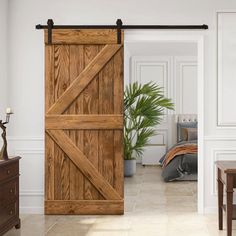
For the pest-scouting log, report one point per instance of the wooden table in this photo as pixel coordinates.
(226, 176)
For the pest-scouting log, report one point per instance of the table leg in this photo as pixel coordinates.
(229, 204)
(220, 200)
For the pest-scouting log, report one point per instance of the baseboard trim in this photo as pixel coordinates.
(31, 210)
(25, 138)
(220, 138)
(210, 210)
(28, 193)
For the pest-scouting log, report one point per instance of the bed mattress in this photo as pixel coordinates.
(181, 167)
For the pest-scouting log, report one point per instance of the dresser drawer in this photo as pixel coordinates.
(7, 212)
(223, 178)
(9, 191)
(8, 171)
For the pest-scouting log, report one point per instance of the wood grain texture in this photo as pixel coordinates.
(90, 94)
(49, 143)
(85, 166)
(118, 164)
(84, 122)
(84, 128)
(77, 136)
(85, 207)
(85, 77)
(106, 106)
(86, 36)
(61, 161)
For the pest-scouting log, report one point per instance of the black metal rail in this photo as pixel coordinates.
(178, 27)
(119, 26)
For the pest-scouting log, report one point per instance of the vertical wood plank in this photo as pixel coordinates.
(90, 106)
(49, 143)
(61, 161)
(76, 177)
(118, 134)
(106, 106)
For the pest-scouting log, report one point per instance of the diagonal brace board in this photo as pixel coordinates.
(85, 166)
(83, 79)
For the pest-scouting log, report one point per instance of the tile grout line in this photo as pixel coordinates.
(47, 231)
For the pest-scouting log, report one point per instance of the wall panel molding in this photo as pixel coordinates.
(219, 138)
(27, 193)
(29, 151)
(181, 63)
(31, 173)
(140, 63)
(25, 138)
(226, 72)
(161, 137)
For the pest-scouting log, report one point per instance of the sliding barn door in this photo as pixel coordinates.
(84, 123)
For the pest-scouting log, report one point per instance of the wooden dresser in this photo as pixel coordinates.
(9, 194)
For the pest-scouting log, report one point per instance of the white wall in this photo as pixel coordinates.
(26, 88)
(176, 74)
(3, 56)
(226, 68)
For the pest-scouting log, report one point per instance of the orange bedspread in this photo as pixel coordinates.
(179, 150)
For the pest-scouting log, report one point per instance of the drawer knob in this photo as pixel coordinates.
(11, 212)
(8, 172)
(11, 190)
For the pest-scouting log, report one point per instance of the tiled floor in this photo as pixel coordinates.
(152, 208)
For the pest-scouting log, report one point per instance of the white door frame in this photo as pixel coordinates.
(136, 36)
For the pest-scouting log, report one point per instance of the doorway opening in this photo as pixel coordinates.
(175, 63)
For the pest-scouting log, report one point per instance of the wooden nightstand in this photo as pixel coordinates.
(9, 194)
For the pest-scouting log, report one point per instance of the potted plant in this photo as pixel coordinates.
(143, 109)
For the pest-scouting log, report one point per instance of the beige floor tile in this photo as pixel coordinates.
(153, 218)
(148, 229)
(184, 232)
(112, 222)
(13, 232)
(145, 207)
(36, 225)
(132, 191)
(108, 233)
(176, 209)
(180, 201)
(133, 180)
(69, 229)
(152, 208)
(86, 220)
(73, 225)
(154, 192)
(153, 187)
(129, 206)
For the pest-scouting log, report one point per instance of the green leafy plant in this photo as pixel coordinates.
(144, 107)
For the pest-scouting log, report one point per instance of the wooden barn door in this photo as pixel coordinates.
(84, 123)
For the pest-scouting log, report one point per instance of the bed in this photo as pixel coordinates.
(180, 161)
